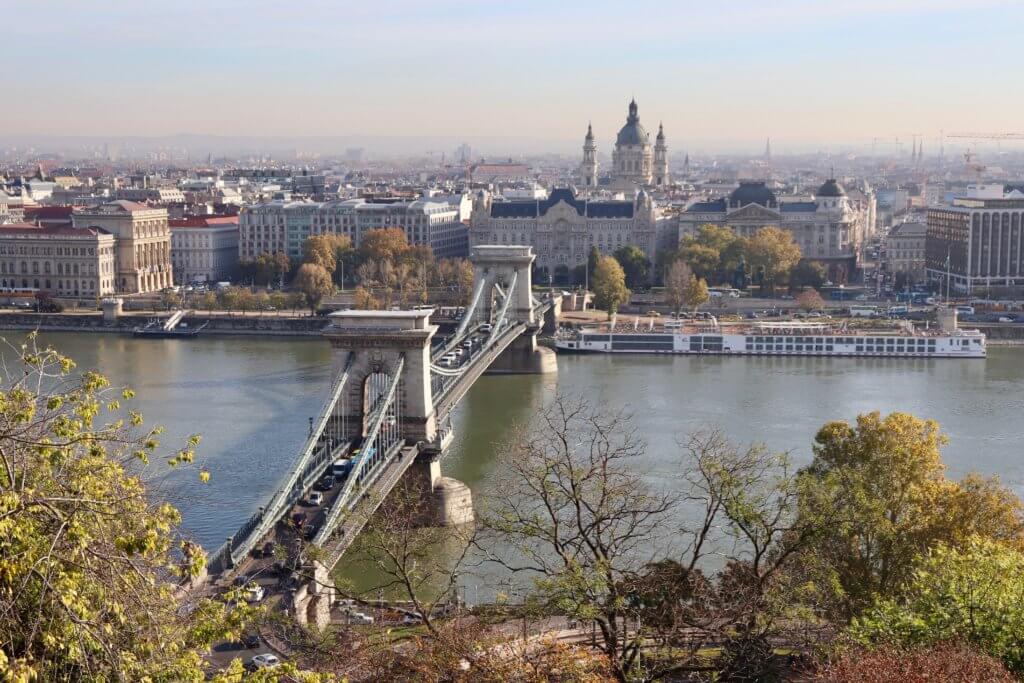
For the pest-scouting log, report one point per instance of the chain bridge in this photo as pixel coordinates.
(387, 415)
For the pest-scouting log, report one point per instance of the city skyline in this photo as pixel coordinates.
(838, 75)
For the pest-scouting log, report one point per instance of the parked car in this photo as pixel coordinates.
(264, 661)
(242, 580)
(254, 592)
(360, 618)
(411, 619)
(250, 640)
(268, 549)
(315, 498)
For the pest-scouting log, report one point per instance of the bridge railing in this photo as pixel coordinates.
(377, 447)
(312, 456)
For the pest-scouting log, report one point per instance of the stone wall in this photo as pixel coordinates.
(230, 325)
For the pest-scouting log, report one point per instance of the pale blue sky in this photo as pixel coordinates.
(805, 72)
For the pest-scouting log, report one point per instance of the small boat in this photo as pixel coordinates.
(156, 328)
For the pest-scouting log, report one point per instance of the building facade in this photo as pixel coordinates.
(60, 259)
(143, 240)
(562, 228)
(204, 248)
(281, 226)
(635, 163)
(830, 230)
(976, 242)
(904, 250)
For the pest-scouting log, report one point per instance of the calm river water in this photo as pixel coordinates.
(251, 400)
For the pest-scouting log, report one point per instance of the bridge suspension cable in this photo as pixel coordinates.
(384, 432)
(306, 468)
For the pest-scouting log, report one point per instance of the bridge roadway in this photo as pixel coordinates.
(287, 539)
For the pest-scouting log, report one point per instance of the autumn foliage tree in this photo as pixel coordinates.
(609, 285)
(810, 300)
(677, 279)
(885, 479)
(771, 253)
(88, 564)
(314, 283)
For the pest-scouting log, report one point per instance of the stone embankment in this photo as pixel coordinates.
(216, 324)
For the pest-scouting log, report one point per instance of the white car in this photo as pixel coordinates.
(315, 498)
(360, 618)
(254, 592)
(264, 661)
(486, 328)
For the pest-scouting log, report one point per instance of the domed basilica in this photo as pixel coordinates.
(634, 162)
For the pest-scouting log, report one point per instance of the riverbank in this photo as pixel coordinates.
(216, 324)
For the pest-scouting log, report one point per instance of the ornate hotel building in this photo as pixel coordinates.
(563, 227)
(830, 229)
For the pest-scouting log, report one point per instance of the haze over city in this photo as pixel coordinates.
(513, 77)
(512, 342)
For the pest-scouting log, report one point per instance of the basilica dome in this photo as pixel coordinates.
(633, 133)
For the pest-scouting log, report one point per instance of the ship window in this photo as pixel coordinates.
(759, 347)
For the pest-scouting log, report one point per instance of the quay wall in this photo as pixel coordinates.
(217, 324)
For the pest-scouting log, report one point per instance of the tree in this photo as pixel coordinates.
(807, 274)
(319, 249)
(573, 506)
(592, 259)
(702, 259)
(677, 280)
(209, 301)
(363, 300)
(282, 264)
(88, 565)
(696, 293)
(315, 283)
(972, 594)
(712, 252)
(609, 285)
(170, 300)
(885, 479)
(408, 556)
(943, 663)
(383, 244)
(810, 300)
(772, 253)
(634, 264)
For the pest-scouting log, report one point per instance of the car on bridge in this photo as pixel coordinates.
(486, 327)
(315, 498)
(254, 592)
(264, 661)
(327, 482)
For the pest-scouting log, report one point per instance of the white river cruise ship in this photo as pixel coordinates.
(786, 338)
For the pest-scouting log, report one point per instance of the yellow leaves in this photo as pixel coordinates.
(204, 476)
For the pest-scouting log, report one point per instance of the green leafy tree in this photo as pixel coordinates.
(703, 260)
(89, 566)
(972, 594)
(807, 274)
(885, 479)
(696, 293)
(772, 253)
(609, 285)
(314, 283)
(634, 264)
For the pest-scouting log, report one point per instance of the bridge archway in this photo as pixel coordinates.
(370, 345)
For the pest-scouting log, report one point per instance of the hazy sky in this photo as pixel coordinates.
(805, 72)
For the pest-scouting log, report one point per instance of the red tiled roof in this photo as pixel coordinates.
(202, 221)
(59, 229)
(49, 212)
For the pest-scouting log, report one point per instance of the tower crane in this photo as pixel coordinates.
(988, 136)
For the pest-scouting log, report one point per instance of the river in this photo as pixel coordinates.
(251, 400)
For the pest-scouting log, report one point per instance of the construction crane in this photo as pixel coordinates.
(988, 136)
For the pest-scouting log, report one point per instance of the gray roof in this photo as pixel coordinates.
(909, 229)
(633, 133)
(830, 188)
(798, 207)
